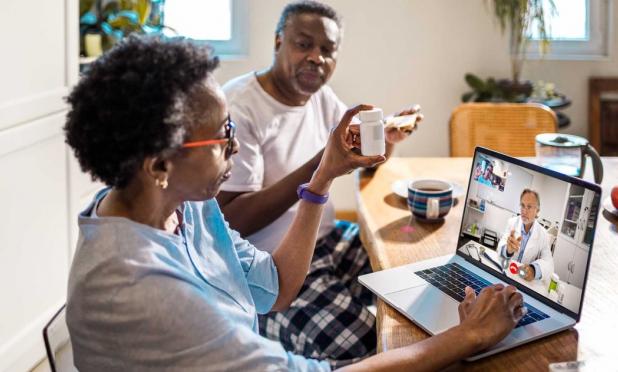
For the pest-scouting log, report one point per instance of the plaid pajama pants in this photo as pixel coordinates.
(329, 319)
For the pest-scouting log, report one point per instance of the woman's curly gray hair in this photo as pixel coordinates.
(132, 104)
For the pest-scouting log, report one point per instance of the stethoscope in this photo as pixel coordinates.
(482, 252)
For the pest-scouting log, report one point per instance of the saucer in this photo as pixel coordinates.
(607, 204)
(428, 220)
(400, 188)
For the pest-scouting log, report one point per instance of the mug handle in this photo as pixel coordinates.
(433, 208)
(597, 165)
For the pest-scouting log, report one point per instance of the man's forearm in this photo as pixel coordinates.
(252, 211)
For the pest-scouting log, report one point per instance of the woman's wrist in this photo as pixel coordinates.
(317, 158)
(470, 336)
(319, 184)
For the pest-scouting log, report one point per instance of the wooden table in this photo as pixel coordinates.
(392, 238)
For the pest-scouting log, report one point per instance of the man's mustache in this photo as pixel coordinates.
(313, 69)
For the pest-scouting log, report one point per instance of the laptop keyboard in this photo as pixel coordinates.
(452, 279)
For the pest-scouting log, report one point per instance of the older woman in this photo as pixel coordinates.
(159, 281)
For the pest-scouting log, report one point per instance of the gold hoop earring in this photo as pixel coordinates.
(162, 184)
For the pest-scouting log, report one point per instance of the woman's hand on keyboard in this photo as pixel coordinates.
(492, 314)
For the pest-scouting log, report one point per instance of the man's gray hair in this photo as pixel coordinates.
(304, 7)
(536, 195)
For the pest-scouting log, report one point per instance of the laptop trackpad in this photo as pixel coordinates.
(427, 306)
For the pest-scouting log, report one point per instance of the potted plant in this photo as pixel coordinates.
(519, 18)
(115, 19)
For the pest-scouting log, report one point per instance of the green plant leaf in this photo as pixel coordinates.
(109, 9)
(85, 6)
(518, 17)
(107, 29)
(88, 18)
(492, 86)
(468, 97)
(143, 8)
(474, 82)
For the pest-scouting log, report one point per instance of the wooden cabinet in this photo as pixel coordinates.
(609, 126)
(573, 242)
(577, 211)
(570, 261)
(603, 114)
(564, 251)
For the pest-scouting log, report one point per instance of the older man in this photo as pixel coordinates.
(284, 115)
(526, 241)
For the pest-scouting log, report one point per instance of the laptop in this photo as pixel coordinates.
(559, 246)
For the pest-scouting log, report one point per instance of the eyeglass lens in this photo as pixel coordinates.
(230, 133)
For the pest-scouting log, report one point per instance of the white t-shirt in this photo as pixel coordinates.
(275, 140)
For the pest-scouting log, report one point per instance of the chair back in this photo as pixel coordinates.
(58, 343)
(509, 128)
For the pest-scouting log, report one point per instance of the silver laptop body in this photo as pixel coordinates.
(419, 290)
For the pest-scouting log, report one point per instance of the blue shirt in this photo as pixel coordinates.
(524, 241)
(484, 181)
(142, 299)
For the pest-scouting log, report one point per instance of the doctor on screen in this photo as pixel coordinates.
(526, 241)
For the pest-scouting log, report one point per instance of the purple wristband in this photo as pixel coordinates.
(303, 193)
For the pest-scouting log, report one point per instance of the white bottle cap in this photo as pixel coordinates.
(375, 114)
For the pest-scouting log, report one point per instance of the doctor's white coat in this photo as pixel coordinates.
(537, 249)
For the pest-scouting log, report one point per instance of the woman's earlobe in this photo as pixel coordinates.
(157, 168)
(162, 183)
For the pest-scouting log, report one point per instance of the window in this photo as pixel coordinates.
(221, 23)
(579, 30)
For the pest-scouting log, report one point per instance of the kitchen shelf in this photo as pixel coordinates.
(476, 209)
(86, 60)
(469, 233)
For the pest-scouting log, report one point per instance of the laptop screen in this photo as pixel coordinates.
(531, 225)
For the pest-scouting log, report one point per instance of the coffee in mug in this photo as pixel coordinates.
(430, 199)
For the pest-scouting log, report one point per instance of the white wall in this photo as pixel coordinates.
(399, 52)
(553, 194)
(38, 67)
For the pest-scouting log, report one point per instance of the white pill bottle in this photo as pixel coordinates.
(372, 132)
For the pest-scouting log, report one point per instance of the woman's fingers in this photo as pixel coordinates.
(516, 304)
(366, 161)
(470, 294)
(519, 313)
(464, 306)
(347, 117)
(353, 138)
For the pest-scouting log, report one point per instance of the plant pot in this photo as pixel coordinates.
(93, 46)
(515, 89)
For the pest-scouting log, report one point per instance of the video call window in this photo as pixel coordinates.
(488, 173)
(530, 227)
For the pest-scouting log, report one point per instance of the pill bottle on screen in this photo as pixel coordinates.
(372, 132)
(553, 283)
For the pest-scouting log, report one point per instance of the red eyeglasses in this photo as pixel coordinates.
(230, 134)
